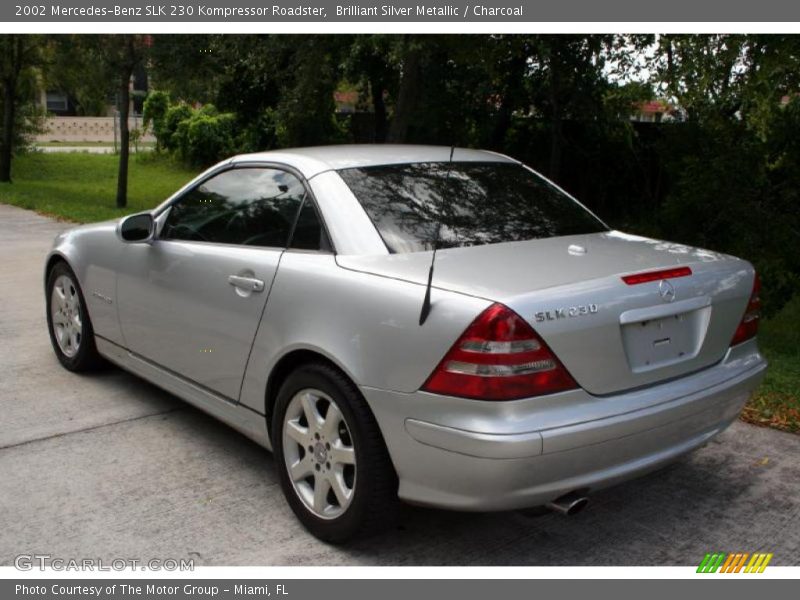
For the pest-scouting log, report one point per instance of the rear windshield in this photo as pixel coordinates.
(477, 203)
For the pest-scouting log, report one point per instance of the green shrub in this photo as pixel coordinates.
(156, 106)
(172, 133)
(208, 110)
(207, 137)
(259, 134)
(199, 137)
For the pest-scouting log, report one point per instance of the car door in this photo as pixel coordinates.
(191, 300)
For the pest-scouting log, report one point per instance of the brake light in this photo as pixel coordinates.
(499, 357)
(748, 326)
(638, 278)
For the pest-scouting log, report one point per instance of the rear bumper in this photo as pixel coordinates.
(474, 455)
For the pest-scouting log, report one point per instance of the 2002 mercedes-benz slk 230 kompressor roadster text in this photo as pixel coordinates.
(440, 325)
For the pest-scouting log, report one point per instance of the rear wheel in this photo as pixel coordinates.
(68, 322)
(333, 464)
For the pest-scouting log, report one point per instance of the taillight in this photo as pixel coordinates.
(499, 357)
(748, 327)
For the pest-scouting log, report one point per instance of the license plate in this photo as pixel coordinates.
(654, 343)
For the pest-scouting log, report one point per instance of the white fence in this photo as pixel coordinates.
(87, 129)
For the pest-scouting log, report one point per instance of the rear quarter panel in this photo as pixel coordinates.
(366, 324)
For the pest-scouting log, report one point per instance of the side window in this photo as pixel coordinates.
(247, 206)
(309, 234)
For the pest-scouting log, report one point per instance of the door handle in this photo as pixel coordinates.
(246, 283)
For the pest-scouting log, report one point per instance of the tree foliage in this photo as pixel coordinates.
(734, 163)
(726, 178)
(21, 56)
(723, 175)
(96, 67)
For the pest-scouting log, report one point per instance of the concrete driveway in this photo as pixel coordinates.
(109, 466)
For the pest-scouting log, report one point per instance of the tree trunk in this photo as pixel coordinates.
(10, 80)
(501, 125)
(509, 101)
(124, 136)
(407, 97)
(556, 120)
(556, 145)
(7, 142)
(379, 107)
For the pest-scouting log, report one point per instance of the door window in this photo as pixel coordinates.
(249, 206)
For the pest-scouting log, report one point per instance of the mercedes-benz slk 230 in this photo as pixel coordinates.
(441, 326)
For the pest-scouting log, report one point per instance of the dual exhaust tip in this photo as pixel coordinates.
(568, 504)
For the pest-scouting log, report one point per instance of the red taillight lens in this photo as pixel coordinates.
(638, 278)
(499, 357)
(748, 327)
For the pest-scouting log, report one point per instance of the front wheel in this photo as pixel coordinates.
(333, 465)
(68, 321)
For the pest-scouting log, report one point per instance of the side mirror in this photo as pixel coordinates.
(136, 228)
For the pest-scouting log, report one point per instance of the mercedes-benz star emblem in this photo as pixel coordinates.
(666, 291)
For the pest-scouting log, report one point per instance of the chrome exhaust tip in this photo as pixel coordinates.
(568, 504)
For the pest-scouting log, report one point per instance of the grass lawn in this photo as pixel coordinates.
(777, 402)
(82, 187)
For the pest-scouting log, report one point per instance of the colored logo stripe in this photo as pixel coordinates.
(726, 568)
(711, 562)
(734, 562)
(758, 563)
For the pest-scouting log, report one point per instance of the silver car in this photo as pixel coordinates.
(440, 326)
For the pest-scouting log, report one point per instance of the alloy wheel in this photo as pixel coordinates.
(65, 312)
(318, 453)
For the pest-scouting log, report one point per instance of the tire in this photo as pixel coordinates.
(359, 498)
(68, 322)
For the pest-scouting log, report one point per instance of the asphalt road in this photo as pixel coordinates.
(109, 466)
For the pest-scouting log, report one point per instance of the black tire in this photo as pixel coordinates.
(374, 504)
(86, 358)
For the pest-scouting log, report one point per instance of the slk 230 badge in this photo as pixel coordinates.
(566, 312)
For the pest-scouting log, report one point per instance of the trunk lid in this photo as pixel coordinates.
(611, 336)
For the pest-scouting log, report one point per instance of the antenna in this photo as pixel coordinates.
(426, 302)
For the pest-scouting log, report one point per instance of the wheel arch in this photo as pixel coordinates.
(285, 365)
(53, 259)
